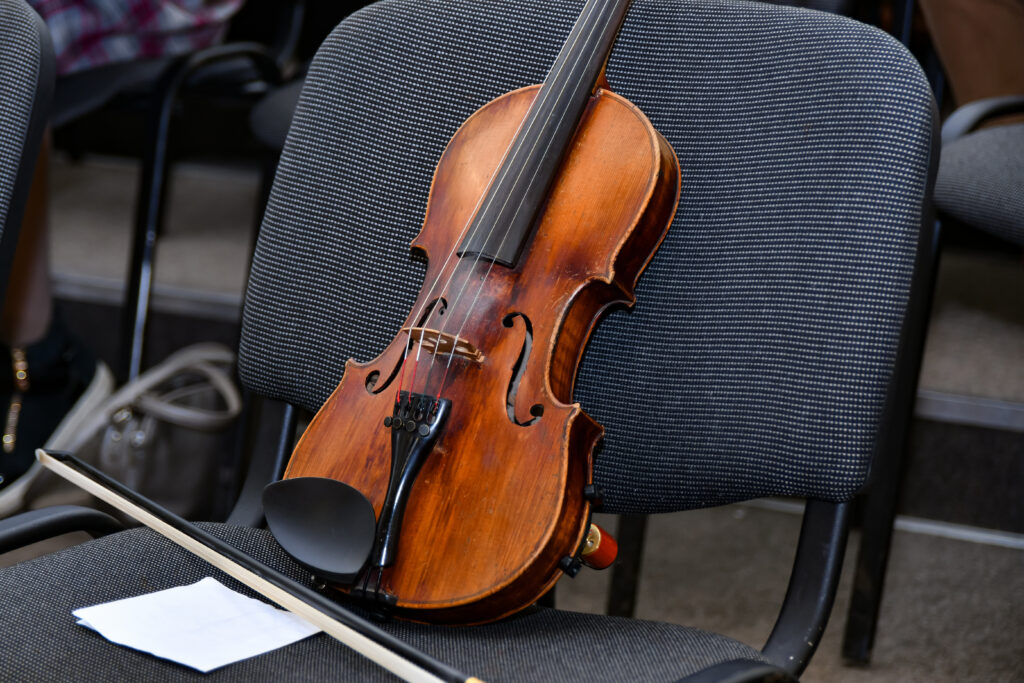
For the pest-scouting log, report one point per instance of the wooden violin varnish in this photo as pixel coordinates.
(456, 460)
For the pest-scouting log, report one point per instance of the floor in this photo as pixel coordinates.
(954, 609)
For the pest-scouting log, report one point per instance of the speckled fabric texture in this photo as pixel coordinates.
(21, 51)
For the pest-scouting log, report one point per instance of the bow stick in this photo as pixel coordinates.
(397, 657)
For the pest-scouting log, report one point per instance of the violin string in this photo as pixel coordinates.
(401, 376)
(480, 207)
(507, 231)
(593, 27)
(454, 249)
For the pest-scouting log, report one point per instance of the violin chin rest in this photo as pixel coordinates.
(325, 525)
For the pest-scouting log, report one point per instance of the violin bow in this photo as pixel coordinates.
(398, 657)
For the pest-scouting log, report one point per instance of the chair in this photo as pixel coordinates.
(980, 184)
(26, 91)
(766, 355)
(235, 73)
(981, 176)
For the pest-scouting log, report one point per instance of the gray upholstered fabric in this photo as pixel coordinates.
(757, 358)
(20, 51)
(543, 645)
(981, 181)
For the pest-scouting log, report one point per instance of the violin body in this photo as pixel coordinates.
(499, 499)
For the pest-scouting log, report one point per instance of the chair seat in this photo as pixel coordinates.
(44, 643)
(981, 181)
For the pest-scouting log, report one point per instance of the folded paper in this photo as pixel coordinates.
(203, 625)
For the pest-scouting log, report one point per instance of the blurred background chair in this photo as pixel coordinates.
(152, 90)
(26, 93)
(981, 176)
(104, 114)
(235, 75)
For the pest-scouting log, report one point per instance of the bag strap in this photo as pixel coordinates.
(199, 358)
(165, 407)
(177, 362)
(206, 354)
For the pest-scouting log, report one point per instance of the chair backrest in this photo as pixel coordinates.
(757, 359)
(26, 89)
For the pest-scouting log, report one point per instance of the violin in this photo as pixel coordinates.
(450, 479)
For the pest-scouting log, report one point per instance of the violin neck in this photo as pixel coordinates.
(581, 59)
(504, 222)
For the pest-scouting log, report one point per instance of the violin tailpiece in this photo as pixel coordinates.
(415, 423)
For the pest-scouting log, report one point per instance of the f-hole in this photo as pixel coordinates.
(536, 410)
(373, 385)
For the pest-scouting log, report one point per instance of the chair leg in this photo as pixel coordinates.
(879, 512)
(149, 212)
(626, 571)
(888, 464)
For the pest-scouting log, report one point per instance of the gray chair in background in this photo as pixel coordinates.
(981, 176)
(26, 92)
(27, 73)
(236, 73)
(772, 350)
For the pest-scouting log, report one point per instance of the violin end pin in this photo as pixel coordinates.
(599, 549)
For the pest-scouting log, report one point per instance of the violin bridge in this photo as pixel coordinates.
(435, 341)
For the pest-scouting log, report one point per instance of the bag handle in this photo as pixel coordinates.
(206, 355)
(164, 407)
(198, 357)
(206, 352)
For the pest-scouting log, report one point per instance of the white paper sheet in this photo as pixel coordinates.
(204, 625)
